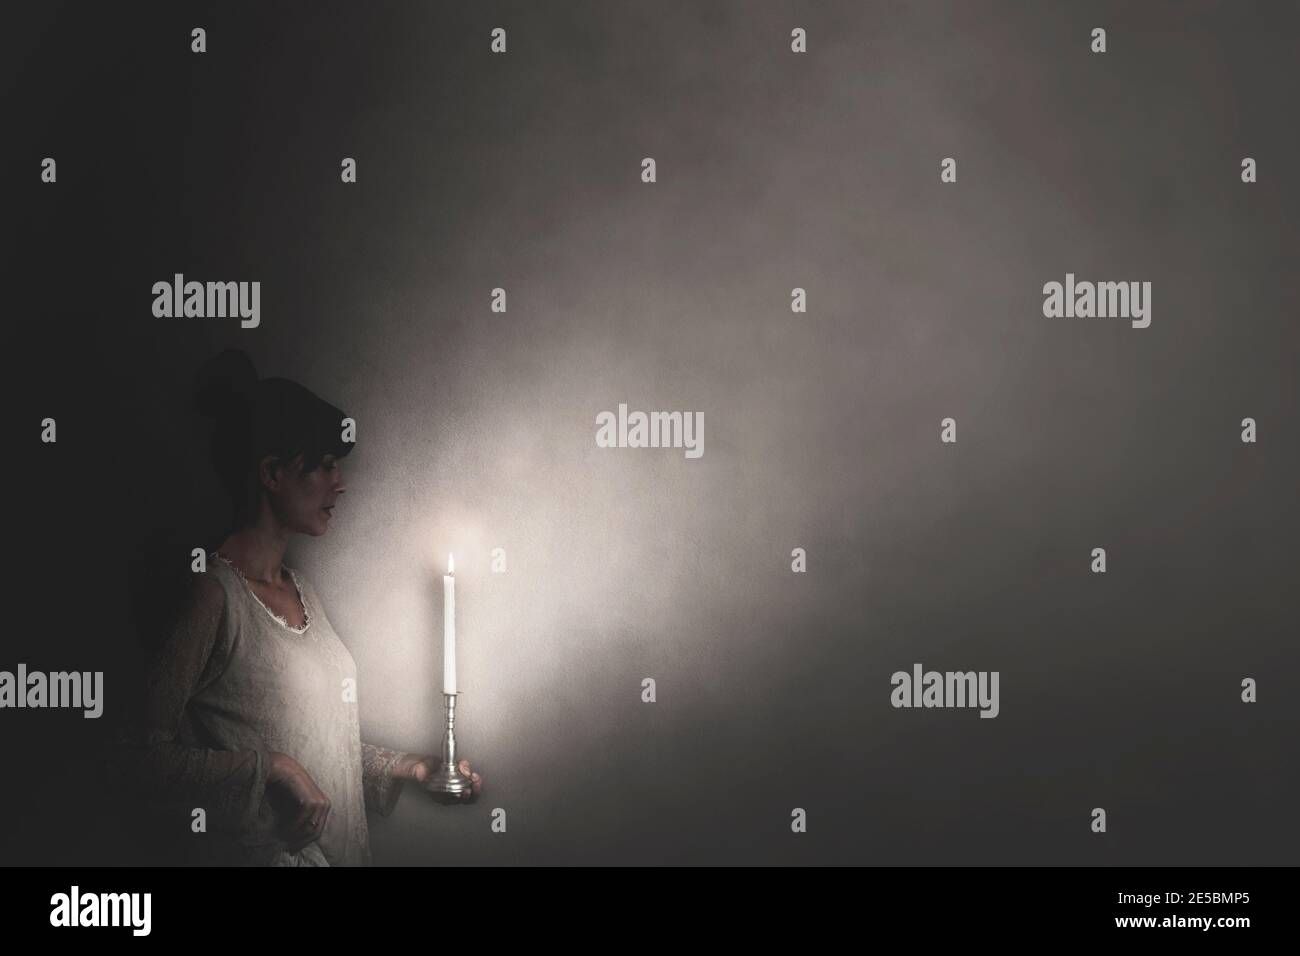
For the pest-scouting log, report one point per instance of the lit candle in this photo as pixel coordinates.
(449, 628)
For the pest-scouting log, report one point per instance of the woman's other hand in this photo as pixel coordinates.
(304, 806)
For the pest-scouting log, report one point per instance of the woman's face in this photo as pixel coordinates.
(302, 500)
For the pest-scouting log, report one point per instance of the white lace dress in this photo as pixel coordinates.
(219, 705)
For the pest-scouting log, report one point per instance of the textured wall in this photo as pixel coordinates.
(476, 429)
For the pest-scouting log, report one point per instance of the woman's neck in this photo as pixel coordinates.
(258, 548)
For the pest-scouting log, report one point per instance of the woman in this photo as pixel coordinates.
(251, 702)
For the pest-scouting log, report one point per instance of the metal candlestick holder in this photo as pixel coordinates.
(448, 784)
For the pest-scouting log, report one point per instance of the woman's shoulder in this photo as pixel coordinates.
(199, 619)
(207, 591)
(205, 596)
(216, 576)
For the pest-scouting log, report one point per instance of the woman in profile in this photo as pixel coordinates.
(250, 711)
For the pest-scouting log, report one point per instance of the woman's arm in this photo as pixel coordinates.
(383, 771)
(228, 784)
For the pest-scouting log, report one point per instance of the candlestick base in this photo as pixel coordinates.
(449, 785)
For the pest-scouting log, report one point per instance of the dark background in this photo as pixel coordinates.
(476, 429)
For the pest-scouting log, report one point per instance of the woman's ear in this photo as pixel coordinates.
(268, 471)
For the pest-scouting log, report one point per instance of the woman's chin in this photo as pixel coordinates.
(316, 525)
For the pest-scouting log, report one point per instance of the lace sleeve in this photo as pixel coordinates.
(161, 771)
(380, 787)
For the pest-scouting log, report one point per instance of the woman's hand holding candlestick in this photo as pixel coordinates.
(418, 768)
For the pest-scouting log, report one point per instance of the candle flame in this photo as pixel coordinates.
(451, 564)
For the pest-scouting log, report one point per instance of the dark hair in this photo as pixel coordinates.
(255, 417)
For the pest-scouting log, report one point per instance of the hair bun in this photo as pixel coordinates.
(225, 381)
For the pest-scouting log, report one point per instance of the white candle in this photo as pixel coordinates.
(449, 628)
